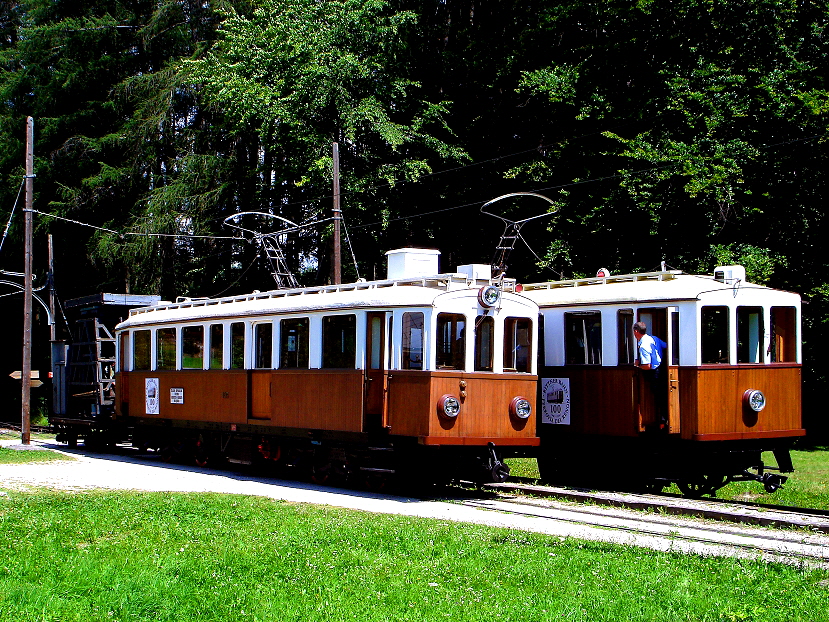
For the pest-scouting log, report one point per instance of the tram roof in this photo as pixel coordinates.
(647, 287)
(412, 292)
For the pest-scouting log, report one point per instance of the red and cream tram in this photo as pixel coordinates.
(423, 372)
(732, 374)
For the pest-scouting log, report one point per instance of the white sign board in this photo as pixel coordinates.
(151, 395)
(555, 401)
(177, 395)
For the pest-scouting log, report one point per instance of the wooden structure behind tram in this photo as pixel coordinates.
(423, 372)
(731, 374)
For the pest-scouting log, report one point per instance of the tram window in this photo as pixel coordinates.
(583, 338)
(293, 344)
(451, 341)
(517, 340)
(412, 341)
(675, 338)
(237, 345)
(484, 337)
(391, 342)
(124, 354)
(624, 323)
(750, 334)
(263, 343)
(783, 344)
(141, 356)
(165, 348)
(217, 346)
(339, 341)
(715, 338)
(192, 344)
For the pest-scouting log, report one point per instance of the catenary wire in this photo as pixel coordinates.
(11, 215)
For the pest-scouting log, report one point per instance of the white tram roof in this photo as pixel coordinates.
(411, 292)
(648, 287)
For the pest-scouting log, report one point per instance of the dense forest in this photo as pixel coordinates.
(692, 132)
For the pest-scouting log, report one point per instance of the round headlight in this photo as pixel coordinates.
(520, 407)
(449, 406)
(489, 295)
(754, 399)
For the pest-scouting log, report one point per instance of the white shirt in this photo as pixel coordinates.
(650, 351)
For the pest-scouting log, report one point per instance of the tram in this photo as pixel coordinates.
(732, 379)
(424, 374)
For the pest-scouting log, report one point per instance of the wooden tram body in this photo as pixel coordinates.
(332, 377)
(726, 340)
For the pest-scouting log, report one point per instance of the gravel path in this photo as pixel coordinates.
(147, 473)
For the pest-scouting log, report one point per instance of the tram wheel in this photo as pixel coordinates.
(706, 484)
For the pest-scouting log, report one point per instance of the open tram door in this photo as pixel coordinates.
(661, 403)
(376, 378)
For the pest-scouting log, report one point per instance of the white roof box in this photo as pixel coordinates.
(476, 271)
(730, 274)
(408, 263)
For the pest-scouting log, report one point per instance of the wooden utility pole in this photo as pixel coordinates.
(337, 217)
(26, 378)
(52, 307)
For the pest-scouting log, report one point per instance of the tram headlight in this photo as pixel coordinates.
(449, 406)
(520, 407)
(489, 295)
(754, 399)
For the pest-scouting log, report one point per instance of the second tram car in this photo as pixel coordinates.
(425, 373)
(729, 388)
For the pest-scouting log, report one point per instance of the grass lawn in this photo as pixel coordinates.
(808, 486)
(191, 557)
(19, 456)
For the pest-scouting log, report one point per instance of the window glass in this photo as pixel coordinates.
(141, 342)
(749, 334)
(391, 342)
(783, 344)
(583, 338)
(484, 337)
(451, 341)
(715, 338)
(517, 340)
(627, 344)
(263, 342)
(293, 344)
(217, 346)
(124, 354)
(675, 337)
(375, 358)
(237, 345)
(165, 348)
(412, 341)
(192, 347)
(339, 339)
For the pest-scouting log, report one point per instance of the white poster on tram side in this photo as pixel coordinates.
(151, 395)
(555, 401)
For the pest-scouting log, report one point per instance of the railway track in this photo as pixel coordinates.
(666, 532)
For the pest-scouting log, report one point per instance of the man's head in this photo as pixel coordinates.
(639, 329)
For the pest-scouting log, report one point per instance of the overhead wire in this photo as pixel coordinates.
(11, 215)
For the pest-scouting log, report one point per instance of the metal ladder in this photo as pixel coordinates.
(92, 362)
(279, 266)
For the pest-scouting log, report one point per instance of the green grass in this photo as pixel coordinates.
(192, 557)
(808, 486)
(16, 456)
(7, 434)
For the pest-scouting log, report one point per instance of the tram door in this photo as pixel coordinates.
(375, 373)
(661, 403)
